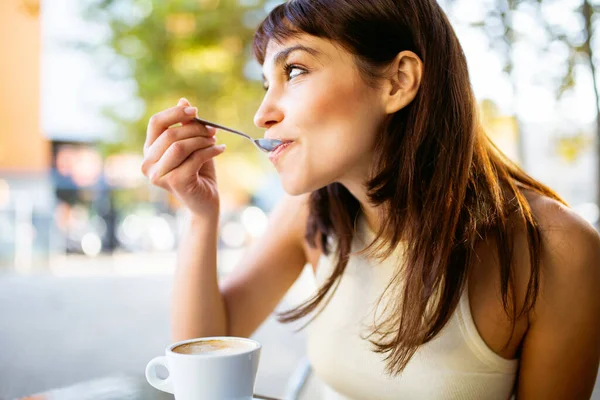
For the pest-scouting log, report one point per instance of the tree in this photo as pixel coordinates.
(198, 49)
(590, 13)
(499, 25)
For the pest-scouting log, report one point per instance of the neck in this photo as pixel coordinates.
(370, 212)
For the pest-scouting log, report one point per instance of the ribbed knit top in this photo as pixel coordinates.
(457, 364)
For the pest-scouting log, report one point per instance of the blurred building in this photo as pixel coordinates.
(24, 151)
(26, 197)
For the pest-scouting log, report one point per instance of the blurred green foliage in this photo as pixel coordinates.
(201, 50)
(503, 24)
(198, 49)
(508, 22)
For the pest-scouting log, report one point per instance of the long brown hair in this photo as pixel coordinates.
(440, 184)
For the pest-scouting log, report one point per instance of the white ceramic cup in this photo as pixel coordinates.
(210, 376)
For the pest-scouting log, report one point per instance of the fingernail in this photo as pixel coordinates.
(181, 101)
(190, 110)
(184, 100)
(221, 147)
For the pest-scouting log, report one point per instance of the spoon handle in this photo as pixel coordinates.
(208, 123)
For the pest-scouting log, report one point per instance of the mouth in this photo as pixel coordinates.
(282, 140)
(274, 155)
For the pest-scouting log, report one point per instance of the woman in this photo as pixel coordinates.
(445, 271)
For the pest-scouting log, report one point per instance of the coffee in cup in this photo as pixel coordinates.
(216, 368)
(215, 347)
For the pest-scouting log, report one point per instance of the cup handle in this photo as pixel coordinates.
(161, 384)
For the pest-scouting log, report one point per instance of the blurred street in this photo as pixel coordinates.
(97, 317)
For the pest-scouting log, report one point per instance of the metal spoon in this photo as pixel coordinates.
(266, 145)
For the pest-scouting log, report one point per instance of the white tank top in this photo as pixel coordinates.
(457, 364)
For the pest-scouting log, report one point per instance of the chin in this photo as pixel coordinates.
(295, 190)
(298, 187)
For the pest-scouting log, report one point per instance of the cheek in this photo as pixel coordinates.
(333, 104)
(339, 124)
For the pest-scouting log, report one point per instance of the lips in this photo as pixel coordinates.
(280, 139)
(280, 149)
(284, 142)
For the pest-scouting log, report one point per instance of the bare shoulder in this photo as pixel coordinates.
(571, 244)
(561, 350)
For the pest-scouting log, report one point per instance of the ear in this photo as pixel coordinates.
(403, 81)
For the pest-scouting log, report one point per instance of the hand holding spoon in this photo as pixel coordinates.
(265, 145)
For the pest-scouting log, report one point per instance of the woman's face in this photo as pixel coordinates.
(321, 104)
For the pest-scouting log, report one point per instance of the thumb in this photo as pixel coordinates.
(183, 102)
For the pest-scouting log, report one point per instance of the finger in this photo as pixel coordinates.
(193, 164)
(177, 153)
(172, 135)
(161, 121)
(186, 103)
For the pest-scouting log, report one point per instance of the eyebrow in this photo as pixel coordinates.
(285, 53)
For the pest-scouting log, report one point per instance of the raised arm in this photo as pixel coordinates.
(179, 159)
(248, 294)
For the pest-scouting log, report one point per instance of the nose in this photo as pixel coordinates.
(268, 114)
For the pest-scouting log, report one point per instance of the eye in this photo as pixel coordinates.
(290, 68)
(291, 71)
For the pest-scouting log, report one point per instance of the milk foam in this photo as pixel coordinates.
(214, 347)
